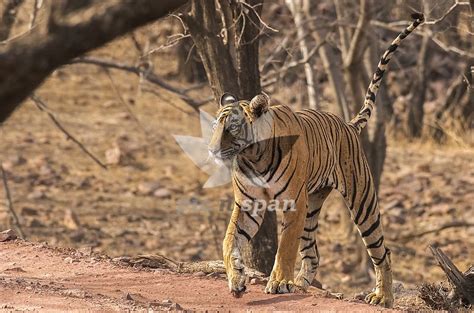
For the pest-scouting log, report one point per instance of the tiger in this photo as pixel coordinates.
(326, 154)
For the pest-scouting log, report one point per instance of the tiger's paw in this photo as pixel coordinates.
(237, 280)
(280, 286)
(381, 298)
(302, 282)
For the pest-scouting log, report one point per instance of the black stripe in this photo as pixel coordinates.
(306, 238)
(361, 206)
(372, 228)
(237, 183)
(275, 168)
(376, 244)
(252, 218)
(379, 74)
(286, 185)
(354, 190)
(392, 47)
(242, 232)
(370, 208)
(370, 95)
(310, 230)
(286, 167)
(299, 193)
(311, 214)
(381, 259)
(311, 257)
(312, 243)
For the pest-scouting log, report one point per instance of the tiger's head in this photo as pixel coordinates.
(237, 125)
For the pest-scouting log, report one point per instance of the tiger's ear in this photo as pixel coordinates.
(227, 98)
(259, 104)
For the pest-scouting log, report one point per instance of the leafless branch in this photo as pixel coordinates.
(356, 38)
(438, 42)
(455, 224)
(149, 76)
(10, 202)
(36, 6)
(448, 48)
(25, 63)
(451, 9)
(157, 94)
(252, 8)
(44, 108)
(171, 41)
(122, 101)
(292, 64)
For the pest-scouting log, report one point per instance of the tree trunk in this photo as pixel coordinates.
(190, 67)
(463, 283)
(298, 10)
(26, 62)
(8, 11)
(334, 76)
(419, 88)
(457, 112)
(226, 38)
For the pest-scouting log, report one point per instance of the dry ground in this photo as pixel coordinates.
(147, 202)
(36, 277)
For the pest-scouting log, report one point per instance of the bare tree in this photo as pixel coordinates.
(300, 11)
(226, 35)
(28, 60)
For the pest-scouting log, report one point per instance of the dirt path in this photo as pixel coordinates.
(36, 277)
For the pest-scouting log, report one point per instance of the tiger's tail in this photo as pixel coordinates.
(364, 114)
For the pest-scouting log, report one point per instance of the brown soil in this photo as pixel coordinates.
(37, 277)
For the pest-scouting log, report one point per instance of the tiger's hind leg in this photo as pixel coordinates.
(359, 192)
(308, 245)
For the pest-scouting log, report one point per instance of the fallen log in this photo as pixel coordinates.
(161, 262)
(463, 283)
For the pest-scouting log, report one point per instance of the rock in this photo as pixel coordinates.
(162, 193)
(175, 307)
(8, 235)
(123, 115)
(70, 220)
(28, 211)
(108, 104)
(128, 297)
(77, 235)
(86, 251)
(121, 259)
(35, 223)
(334, 295)
(113, 156)
(316, 283)
(148, 188)
(360, 296)
(15, 269)
(36, 195)
(398, 287)
(68, 260)
(76, 293)
(46, 170)
(199, 274)
(13, 161)
(257, 281)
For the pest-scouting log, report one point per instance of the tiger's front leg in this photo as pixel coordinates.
(282, 276)
(247, 216)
